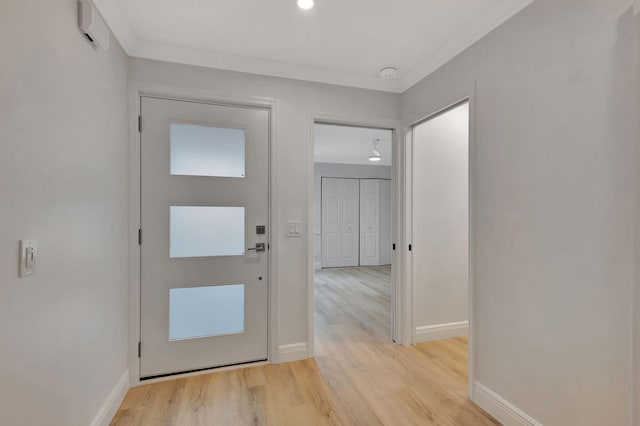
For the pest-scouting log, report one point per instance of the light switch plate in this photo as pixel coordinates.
(28, 257)
(294, 229)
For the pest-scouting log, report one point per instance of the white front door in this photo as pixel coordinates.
(204, 210)
(369, 222)
(340, 208)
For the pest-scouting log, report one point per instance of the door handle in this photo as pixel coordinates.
(258, 248)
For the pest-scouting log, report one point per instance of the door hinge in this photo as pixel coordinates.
(140, 123)
(393, 247)
(410, 247)
(139, 349)
(139, 237)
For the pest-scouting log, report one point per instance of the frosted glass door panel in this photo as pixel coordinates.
(207, 151)
(200, 231)
(206, 311)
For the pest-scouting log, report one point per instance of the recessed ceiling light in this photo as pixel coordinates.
(388, 73)
(305, 4)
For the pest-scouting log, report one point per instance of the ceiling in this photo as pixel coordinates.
(340, 42)
(350, 145)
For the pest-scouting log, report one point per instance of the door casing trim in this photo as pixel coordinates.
(136, 91)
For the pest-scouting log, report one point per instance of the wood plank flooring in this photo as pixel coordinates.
(357, 378)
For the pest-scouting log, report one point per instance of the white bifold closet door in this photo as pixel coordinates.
(369, 222)
(385, 222)
(340, 222)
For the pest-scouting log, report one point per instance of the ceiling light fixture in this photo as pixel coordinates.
(305, 4)
(375, 154)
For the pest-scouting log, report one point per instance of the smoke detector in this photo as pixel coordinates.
(388, 73)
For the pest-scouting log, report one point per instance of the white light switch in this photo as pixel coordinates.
(28, 257)
(294, 229)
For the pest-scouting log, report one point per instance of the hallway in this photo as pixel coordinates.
(348, 299)
(376, 381)
(357, 378)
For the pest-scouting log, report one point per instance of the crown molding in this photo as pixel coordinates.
(206, 58)
(114, 15)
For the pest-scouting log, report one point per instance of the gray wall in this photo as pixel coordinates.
(554, 213)
(341, 171)
(63, 181)
(297, 100)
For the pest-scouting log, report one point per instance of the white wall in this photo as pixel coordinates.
(440, 194)
(63, 181)
(297, 100)
(356, 171)
(553, 176)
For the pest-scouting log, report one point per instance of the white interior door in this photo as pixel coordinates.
(386, 206)
(340, 208)
(369, 222)
(204, 208)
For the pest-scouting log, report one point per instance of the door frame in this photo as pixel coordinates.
(136, 91)
(439, 107)
(397, 278)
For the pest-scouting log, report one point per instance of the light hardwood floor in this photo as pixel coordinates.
(357, 378)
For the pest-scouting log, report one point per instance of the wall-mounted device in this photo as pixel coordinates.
(92, 24)
(28, 256)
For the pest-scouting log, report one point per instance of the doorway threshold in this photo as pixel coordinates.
(200, 371)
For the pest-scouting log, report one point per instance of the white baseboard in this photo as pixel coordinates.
(317, 265)
(293, 352)
(113, 401)
(441, 331)
(501, 409)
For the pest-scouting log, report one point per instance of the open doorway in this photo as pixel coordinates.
(440, 206)
(353, 235)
